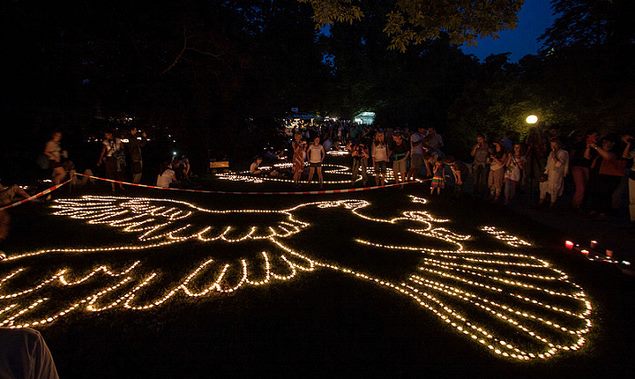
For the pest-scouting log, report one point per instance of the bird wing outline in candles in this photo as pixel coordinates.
(515, 305)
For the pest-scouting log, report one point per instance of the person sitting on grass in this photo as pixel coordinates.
(167, 177)
(254, 168)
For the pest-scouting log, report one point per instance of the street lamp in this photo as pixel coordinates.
(531, 119)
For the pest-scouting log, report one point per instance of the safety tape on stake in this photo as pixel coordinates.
(318, 192)
(37, 195)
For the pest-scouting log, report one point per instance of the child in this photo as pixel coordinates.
(254, 168)
(438, 181)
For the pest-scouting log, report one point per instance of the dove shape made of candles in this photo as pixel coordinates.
(515, 305)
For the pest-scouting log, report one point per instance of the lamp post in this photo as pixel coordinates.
(531, 120)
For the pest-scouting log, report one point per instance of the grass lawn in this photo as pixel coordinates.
(317, 322)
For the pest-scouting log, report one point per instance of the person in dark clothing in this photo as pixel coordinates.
(136, 142)
(581, 165)
(24, 354)
(399, 152)
(607, 170)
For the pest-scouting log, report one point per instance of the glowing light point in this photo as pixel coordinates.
(531, 119)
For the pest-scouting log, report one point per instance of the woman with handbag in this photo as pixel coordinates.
(552, 181)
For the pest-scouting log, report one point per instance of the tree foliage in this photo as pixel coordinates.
(413, 22)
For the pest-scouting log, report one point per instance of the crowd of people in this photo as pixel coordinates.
(120, 158)
(600, 167)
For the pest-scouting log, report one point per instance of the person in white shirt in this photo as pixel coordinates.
(555, 171)
(316, 155)
(53, 151)
(167, 176)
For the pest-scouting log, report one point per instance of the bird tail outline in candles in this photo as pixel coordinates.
(513, 304)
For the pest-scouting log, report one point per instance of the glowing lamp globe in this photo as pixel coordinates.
(531, 119)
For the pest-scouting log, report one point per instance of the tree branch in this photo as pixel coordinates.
(178, 56)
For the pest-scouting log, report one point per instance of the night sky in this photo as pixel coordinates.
(534, 17)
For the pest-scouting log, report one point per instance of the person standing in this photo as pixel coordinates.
(434, 141)
(399, 153)
(379, 154)
(514, 172)
(555, 172)
(580, 166)
(438, 178)
(416, 153)
(607, 171)
(299, 153)
(480, 153)
(316, 155)
(134, 150)
(359, 153)
(108, 157)
(53, 151)
(495, 180)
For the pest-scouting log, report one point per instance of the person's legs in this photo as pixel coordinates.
(498, 184)
(580, 177)
(377, 174)
(631, 197)
(395, 170)
(296, 176)
(364, 168)
(477, 172)
(320, 178)
(514, 186)
(311, 172)
(382, 168)
(354, 171)
(507, 190)
(137, 169)
(543, 191)
(58, 174)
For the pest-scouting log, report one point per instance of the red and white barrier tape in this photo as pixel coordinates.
(31, 198)
(318, 192)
